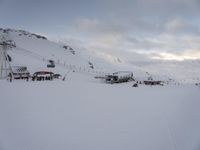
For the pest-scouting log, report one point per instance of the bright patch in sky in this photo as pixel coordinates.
(170, 56)
(169, 28)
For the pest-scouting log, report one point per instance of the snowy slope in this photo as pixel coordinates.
(86, 115)
(187, 71)
(34, 51)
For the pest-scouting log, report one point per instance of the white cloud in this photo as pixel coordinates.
(174, 39)
(100, 27)
(177, 26)
(181, 56)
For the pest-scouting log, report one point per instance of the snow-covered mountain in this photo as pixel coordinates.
(35, 51)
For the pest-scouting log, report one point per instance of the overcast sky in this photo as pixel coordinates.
(160, 29)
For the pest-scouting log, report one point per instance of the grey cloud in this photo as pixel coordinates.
(153, 25)
(1, 2)
(144, 44)
(139, 27)
(154, 8)
(180, 26)
(175, 26)
(101, 27)
(140, 36)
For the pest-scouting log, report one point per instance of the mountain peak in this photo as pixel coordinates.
(8, 31)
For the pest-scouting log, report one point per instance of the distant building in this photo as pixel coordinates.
(119, 77)
(20, 72)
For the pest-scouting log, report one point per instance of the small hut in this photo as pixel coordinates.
(20, 72)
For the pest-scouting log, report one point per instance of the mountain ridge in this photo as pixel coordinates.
(34, 51)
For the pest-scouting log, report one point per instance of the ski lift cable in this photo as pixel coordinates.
(42, 58)
(30, 53)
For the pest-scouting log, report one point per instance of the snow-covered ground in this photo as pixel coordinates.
(82, 113)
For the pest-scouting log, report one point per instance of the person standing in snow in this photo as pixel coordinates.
(10, 77)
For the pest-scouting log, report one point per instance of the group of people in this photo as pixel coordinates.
(11, 77)
(34, 77)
